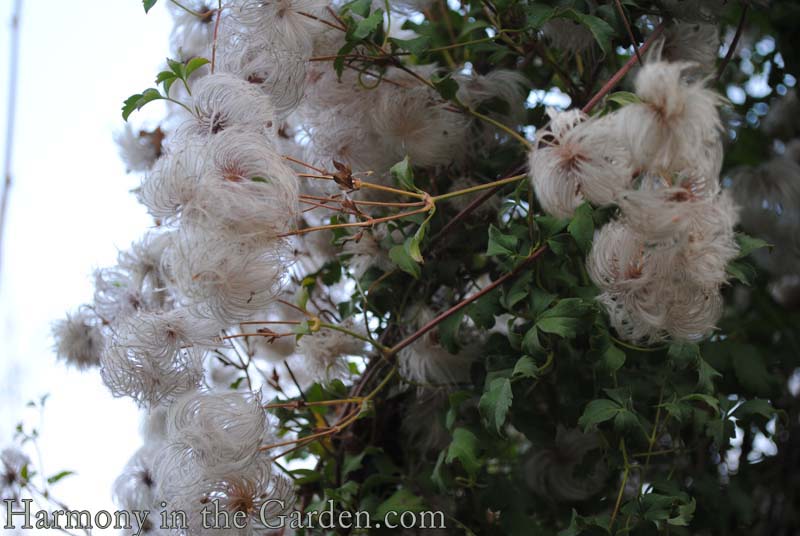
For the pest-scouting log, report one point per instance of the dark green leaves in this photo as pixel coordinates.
(368, 25)
(403, 174)
(138, 101)
(495, 403)
(500, 243)
(464, 448)
(148, 5)
(582, 227)
(446, 86)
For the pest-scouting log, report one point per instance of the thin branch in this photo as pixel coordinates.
(13, 74)
(463, 303)
(619, 75)
(734, 43)
(627, 24)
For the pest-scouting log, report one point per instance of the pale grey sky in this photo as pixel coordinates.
(70, 210)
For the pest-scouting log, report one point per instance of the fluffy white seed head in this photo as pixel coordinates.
(139, 150)
(552, 472)
(222, 278)
(289, 22)
(277, 69)
(677, 125)
(192, 32)
(221, 101)
(245, 188)
(325, 350)
(79, 339)
(427, 362)
(579, 160)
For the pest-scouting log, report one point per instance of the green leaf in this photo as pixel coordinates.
(742, 271)
(582, 227)
(613, 358)
(403, 500)
(368, 25)
(306, 476)
(446, 86)
(148, 5)
(705, 375)
(499, 243)
(750, 370)
(624, 98)
(58, 476)
(483, 310)
(685, 514)
(748, 244)
(539, 14)
(417, 46)
(359, 7)
(526, 367)
(755, 407)
(563, 327)
(683, 354)
(601, 30)
(464, 448)
(598, 411)
(136, 102)
(352, 463)
(448, 331)
(495, 403)
(531, 342)
(403, 260)
(403, 174)
(194, 64)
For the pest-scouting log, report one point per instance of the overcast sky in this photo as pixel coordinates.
(70, 210)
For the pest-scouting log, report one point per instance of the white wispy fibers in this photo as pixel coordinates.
(325, 351)
(769, 196)
(12, 461)
(697, 43)
(293, 23)
(654, 290)
(117, 294)
(139, 150)
(172, 182)
(427, 362)
(135, 488)
(192, 31)
(221, 101)
(150, 379)
(245, 188)
(697, 10)
(552, 471)
(578, 159)
(155, 356)
(223, 278)
(212, 452)
(79, 338)
(783, 118)
(278, 69)
(676, 127)
(364, 250)
(568, 35)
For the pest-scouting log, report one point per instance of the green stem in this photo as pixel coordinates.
(479, 187)
(356, 335)
(511, 132)
(189, 10)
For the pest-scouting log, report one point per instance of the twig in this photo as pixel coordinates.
(463, 303)
(734, 43)
(619, 75)
(13, 73)
(627, 25)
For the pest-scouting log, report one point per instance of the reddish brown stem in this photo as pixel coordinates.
(463, 303)
(734, 43)
(619, 75)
